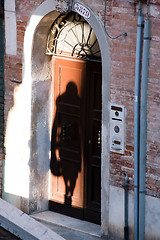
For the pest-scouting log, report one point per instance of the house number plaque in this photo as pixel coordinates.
(82, 10)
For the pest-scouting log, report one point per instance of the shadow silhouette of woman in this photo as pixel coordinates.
(66, 140)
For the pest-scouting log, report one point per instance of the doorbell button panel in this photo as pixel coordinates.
(117, 128)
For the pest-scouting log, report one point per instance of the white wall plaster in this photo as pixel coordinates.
(10, 27)
(9, 5)
(152, 218)
(16, 175)
(116, 215)
(154, 11)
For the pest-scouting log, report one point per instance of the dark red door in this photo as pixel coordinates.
(76, 134)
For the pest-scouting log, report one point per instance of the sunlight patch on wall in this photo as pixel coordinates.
(16, 178)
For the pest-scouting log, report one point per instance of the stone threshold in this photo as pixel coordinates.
(69, 223)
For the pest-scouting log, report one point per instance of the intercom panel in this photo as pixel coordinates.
(117, 128)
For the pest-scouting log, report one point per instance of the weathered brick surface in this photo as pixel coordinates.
(122, 91)
(121, 17)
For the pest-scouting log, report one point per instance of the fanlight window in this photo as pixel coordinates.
(72, 36)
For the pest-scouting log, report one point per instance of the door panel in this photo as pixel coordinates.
(76, 139)
(93, 144)
(67, 138)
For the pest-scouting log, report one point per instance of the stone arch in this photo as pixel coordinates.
(36, 87)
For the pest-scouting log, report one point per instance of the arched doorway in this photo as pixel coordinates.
(32, 167)
(76, 128)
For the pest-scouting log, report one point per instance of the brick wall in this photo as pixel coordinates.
(121, 17)
(123, 53)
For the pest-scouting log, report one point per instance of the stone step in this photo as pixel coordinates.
(68, 227)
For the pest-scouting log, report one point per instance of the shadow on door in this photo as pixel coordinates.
(66, 141)
(76, 139)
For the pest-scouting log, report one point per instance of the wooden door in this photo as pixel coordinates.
(75, 148)
(92, 211)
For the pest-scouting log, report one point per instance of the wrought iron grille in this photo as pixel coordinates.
(71, 35)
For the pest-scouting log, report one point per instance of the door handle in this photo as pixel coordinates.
(66, 128)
